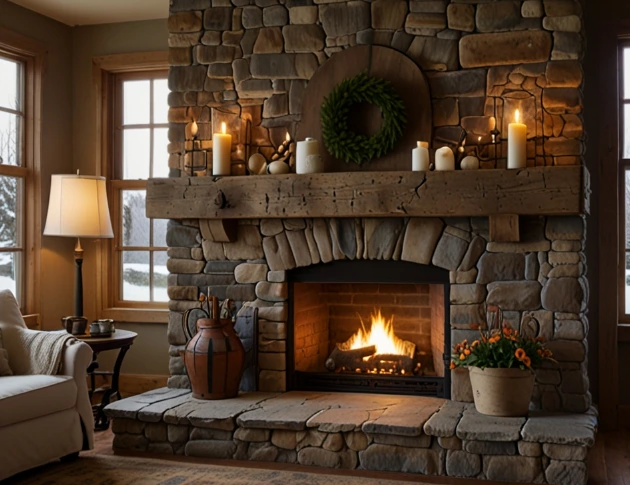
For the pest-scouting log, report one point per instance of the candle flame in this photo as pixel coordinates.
(223, 127)
(479, 140)
(194, 129)
(288, 137)
(517, 116)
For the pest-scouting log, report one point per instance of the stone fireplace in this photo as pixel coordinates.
(313, 253)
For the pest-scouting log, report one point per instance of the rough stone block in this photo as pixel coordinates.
(433, 54)
(449, 252)
(490, 447)
(217, 18)
(478, 50)
(339, 19)
(565, 452)
(563, 295)
(461, 16)
(515, 295)
(421, 239)
(567, 473)
(395, 458)
(477, 426)
(210, 449)
(512, 468)
(303, 38)
(388, 14)
(462, 464)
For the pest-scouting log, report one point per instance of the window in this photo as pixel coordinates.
(12, 175)
(624, 179)
(20, 80)
(140, 139)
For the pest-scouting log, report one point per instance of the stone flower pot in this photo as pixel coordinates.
(502, 392)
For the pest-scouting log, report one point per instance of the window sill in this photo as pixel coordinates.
(136, 315)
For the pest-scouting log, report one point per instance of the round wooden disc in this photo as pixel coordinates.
(410, 84)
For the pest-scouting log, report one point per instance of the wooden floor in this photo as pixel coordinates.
(609, 462)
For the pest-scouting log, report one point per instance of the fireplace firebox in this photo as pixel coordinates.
(369, 326)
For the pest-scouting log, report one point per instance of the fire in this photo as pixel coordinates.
(381, 334)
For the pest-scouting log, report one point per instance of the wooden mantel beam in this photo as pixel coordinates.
(533, 191)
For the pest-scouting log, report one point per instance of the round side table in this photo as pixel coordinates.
(121, 340)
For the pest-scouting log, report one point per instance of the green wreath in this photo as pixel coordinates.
(348, 146)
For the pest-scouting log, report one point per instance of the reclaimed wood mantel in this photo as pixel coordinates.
(532, 191)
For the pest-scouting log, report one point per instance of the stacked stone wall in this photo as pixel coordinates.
(539, 283)
(248, 62)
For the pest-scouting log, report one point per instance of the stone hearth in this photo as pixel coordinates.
(410, 434)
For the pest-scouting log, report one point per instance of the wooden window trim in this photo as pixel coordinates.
(33, 55)
(104, 70)
(623, 167)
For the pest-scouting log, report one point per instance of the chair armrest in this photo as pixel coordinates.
(77, 356)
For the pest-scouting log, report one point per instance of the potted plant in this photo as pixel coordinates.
(501, 365)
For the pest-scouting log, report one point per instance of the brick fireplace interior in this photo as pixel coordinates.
(331, 304)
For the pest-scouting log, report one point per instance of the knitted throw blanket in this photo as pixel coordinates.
(44, 350)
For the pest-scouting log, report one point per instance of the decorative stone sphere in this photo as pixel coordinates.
(470, 163)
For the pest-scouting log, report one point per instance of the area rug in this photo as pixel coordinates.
(123, 470)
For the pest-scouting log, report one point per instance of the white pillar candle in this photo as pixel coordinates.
(444, 159)
(517, 143)
(305, 148)
(221, 152)
(420, 157)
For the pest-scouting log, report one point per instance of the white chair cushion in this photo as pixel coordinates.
(28, 397)
(10, 310)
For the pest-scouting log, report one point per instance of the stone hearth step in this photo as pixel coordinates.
(367, 431)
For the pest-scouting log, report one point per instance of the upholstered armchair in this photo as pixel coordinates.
(43, 416)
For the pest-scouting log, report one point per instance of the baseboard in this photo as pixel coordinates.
(133, 384)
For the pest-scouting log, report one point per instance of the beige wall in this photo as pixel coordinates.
(57, 274)
(68, 141)
(149, 354)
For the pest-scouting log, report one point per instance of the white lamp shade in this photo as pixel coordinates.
(78, 207)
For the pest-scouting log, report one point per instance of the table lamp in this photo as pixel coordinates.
(78, 208)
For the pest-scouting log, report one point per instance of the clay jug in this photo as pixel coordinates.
(214, 359)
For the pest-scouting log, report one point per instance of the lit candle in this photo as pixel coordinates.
(221, 152)
(444, 159)
(194, 129)
(305, 149)
(517, 143)
(420, 157)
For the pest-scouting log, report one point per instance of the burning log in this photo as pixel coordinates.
(351, 358)
(398, 363)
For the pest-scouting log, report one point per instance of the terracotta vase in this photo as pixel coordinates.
(214, 359)
(502, 392)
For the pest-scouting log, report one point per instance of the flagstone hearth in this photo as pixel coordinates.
(410, 434)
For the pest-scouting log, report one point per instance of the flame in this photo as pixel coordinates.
(381, 334)
(223, 127)
(288, 137)
(517, 116)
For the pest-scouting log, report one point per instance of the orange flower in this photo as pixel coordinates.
(527, 361)
(452, 366)
(547, 353)
(494, 339)
(507, 331)
(520, 354)
(467, 352)
(462, 357)
(474, 344)
(540, 352)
